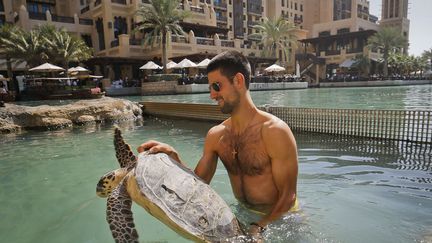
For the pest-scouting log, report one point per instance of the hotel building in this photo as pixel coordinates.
(330, 31)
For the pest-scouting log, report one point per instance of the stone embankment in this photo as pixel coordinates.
(14, 118)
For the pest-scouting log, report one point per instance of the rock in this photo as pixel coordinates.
(85, 119)
(15, 117)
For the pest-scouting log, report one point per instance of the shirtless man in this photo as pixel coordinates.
(257, 149)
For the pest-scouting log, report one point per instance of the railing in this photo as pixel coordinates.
(37, 16)
(119, 1)
(354, 50)
(220, 5)
(205, 41)
(196, 9)
(179, 39)
(135, 42)
(415, 126)
(85, 9)
(62, 19)
(227, 43)
(221, 18)
(86, 21)
(252, 23)
(412, 125)
(97, 2)
(115, 43)
(332, 52)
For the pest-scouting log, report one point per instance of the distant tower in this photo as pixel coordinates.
(395, 14)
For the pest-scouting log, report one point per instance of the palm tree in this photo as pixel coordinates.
(161, 17)
(276, 34)
(388, 40)
(6, 31)
(428, 56)
(26, 46)
(64, 48)
(362, 63)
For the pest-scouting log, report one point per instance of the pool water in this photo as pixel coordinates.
(350, 189)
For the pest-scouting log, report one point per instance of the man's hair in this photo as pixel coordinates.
(229, 63)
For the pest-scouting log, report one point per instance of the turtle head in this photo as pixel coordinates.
(109, 181)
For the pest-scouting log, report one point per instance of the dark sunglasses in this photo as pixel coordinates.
(216, 86)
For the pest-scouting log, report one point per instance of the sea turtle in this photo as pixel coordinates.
(168, 191)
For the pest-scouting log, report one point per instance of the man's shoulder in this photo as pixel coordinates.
(271, 121)
(218, 129)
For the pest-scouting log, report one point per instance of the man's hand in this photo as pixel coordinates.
(154, 147)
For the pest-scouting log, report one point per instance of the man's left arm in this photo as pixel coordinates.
(282, 149)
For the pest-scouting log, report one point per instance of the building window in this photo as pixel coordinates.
(46, 7)
(32, 7)
(324, 33)
(295, 6)
(283, 3)
(1, 6)
(343, 30)
(301, 7)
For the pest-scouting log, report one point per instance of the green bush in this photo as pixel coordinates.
(163, 77)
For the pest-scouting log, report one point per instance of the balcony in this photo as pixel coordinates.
(115, 43)
(220, 5)
(252, 23)
(37, 16)
(221, 19)
(123, 2)
(332, 52)
(205, 41)
(62, 19)
(178, 39)
(354, 50)
(227, 43)
(135, 42)
(85, 9)
(196, 9)
(86, 21)
(97, 2)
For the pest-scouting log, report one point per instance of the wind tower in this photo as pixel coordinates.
(395, 14)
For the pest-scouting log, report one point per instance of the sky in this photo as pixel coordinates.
(420, 16)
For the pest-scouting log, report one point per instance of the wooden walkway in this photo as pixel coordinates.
(413, 126)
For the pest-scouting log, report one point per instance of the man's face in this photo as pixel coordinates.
(223, 91)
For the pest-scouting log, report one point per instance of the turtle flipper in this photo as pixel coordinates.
(119, 215)
(124, 154)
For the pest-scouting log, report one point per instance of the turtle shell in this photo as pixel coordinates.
(183, 201)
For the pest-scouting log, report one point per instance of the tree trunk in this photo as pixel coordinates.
(164, 51)
(13, 84)
(385, 69)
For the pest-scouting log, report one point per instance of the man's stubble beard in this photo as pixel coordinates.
(228, 107)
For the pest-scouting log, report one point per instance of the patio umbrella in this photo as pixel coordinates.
(150, 66)
(274, 68)
(347, 63)
(204, 63)
(80, 69)
(185, 63)
(171, 65)
(46, 67)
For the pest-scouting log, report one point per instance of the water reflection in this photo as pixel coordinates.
(394, 154)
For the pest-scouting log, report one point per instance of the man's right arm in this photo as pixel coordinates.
(206, 166)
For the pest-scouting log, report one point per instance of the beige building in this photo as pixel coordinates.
(331, 31)
(395, 14)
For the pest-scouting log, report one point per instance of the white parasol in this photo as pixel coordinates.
(185, 63)
(150, 66)
(46, 67)
(274, 68)
(204, 63)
